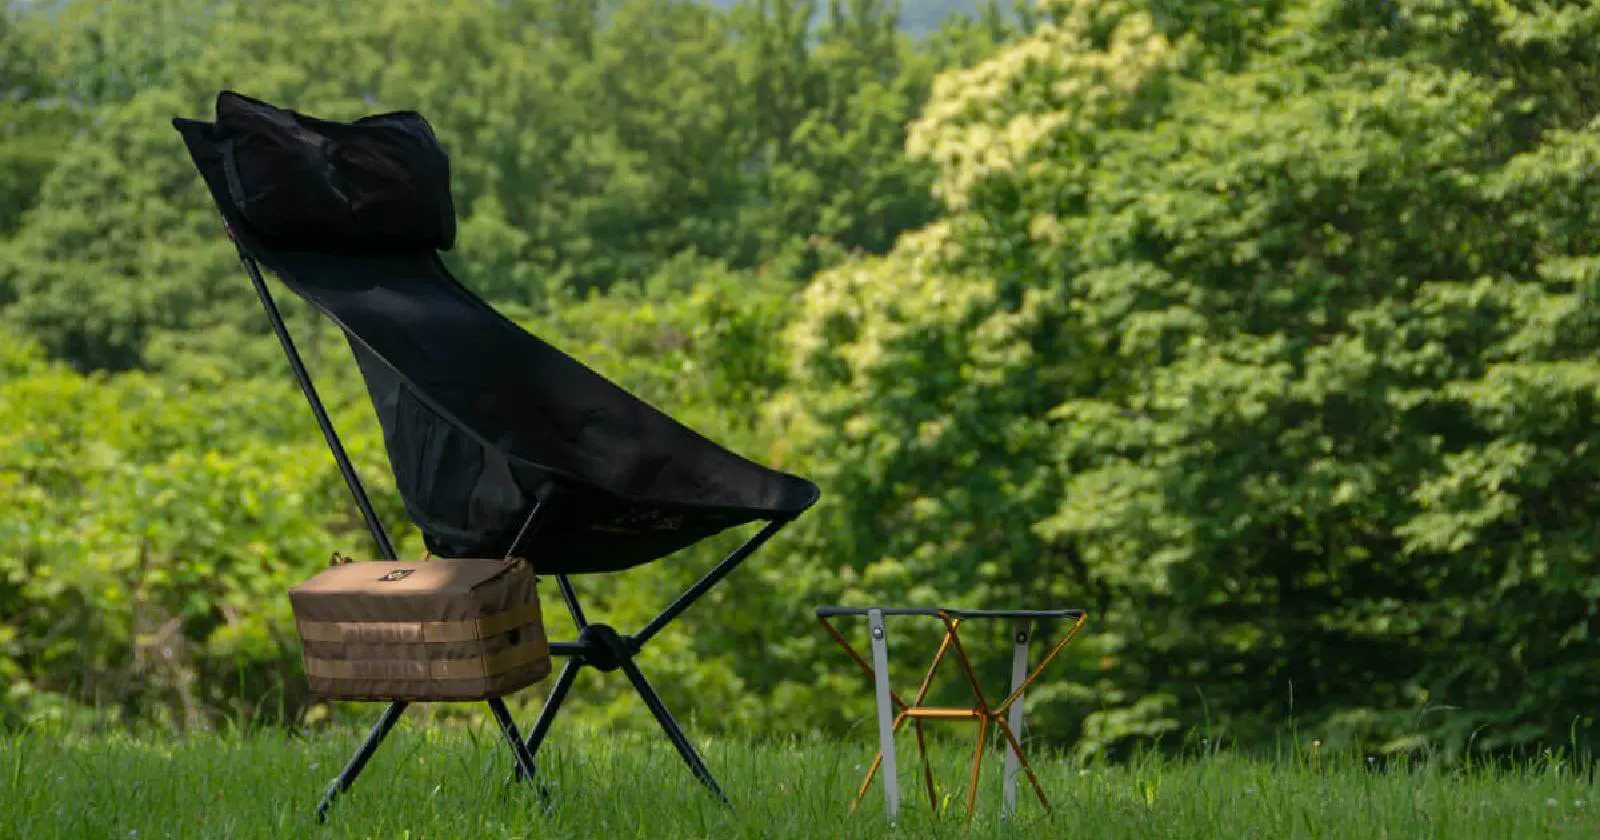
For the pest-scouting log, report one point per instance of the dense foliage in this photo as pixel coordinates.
(1284, 365)
(645, 182)
(1263, 330)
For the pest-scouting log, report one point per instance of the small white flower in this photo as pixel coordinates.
(1577, 803)
(1250, 789)
(1550, 803)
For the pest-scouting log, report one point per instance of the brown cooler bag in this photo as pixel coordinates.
(437, 629)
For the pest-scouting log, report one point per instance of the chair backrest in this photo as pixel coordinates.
(481, 418)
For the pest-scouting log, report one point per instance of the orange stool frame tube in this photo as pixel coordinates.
(983, 713)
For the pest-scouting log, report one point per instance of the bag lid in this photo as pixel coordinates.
(389, 577)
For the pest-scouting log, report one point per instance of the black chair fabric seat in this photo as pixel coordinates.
(482, 418)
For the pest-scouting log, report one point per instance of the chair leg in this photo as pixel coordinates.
(348, 776)
(519, 751)
(601, 647)
(664, 717)
(552, 705)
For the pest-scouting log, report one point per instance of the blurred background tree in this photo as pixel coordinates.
(1263, 330)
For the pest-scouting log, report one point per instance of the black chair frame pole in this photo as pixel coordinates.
(497, 706)
(601, 647)
(598, 645)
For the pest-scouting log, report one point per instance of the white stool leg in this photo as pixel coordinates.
(1019, 672)
(880, 678)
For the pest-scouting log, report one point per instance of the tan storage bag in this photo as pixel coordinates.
(436, 629)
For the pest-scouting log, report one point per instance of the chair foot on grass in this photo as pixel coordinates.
(664, 717)
(348, 775)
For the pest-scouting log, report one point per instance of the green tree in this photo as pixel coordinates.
(31, 131)
(590, 144)
(1282, 364)
(152, 530)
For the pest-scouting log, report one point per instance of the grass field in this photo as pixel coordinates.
(455, 784)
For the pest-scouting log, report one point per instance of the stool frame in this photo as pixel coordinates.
(1006, 716)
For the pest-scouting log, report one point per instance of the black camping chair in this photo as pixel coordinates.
(500, 443)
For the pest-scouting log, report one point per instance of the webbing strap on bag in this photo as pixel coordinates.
(381, 632)
(475, 668)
